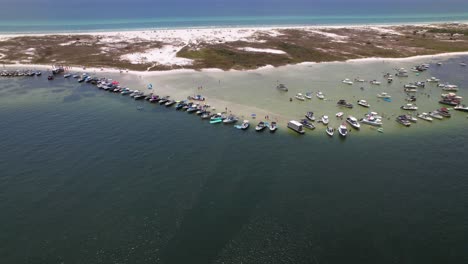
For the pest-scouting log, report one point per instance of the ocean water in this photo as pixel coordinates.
(56, 16)
(87, 178)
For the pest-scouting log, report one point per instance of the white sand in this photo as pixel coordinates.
(166, 55)
(273, 51)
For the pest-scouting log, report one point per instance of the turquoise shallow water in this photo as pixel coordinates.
(87, 178)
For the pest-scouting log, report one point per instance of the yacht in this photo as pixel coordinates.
(425, 116)
(363, 103)
(347, 81)
(300, 97)
(320, 95)
(371, 120)
(353, 122)
(383, 95)
(461, 107)
(409, 107)
(343, 130)
(436, 115)
(325, 120)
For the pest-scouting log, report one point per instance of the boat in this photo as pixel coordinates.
(325, 120)
(403, 120)
(170, 102)
(375, 82)
(439, 64)
(410, 90)
(433, 79)
(343, 103)
(307, 124)
(425, 116)
(339, 114)
(401, 74)
(68, 75)
(353, 122)
(206, 115)
(139, 96)
(245, 124)
(273, 127)
(411, 98)
(308, 95)
(383, 95)
(330, 131)
(389, 80)
(343, 130)
(462, 64)
(410, 86)
(192, 108)
(347, 81)
(216, 120)
(359, 80)
(371, 120)
(296, 126)
(230, 119)
(154, 99)
(409, 107)
(300, 97)
(310, 116)
(163, 100)
(461, 107)
(126, 91)
(451, 96)
(449, 102)
(282, 87)
(50, 77)
(320, 95)
(444, 112)
(260, 126)
(197, 97)
(450, 88)
(180, 104)
(436, 115)
(363, 103)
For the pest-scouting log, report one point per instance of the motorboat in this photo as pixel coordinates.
(230, 119)
(359, 80)
(411, 118)
(307, 124)
(353, 122)
(371, 120)
(192, 108)
(383, 95)
(403, 120)
(296, 126)
(308, 95)
(164, 100)
(330, 131)
(363, 103)
(343, 103)
(401, 74)
(300, 97)
(425, 116)
(462, 64)
(180, 104)
(197, 97)
(325, 120)
(410, 90)
(413, 86)
(343, 130)
(451, 96)
(375, 115)
(282, 87)
(310, 116)
(320, 95)
(139, 96)
(126, 91)
(450, 88)
(410, 107)
(206, 115)
(216, 120)
(156, 98)
(273, 127)
(375, 82)
(411, 98)
(68, 75)
(433, 80)
(444, 112)
(339, 114)
(389, 79)
(450, 102)
(347, 81)
(245, 124)
(170, 103)
(50, 77)
(461, 107)
(436, 115)
(260, 126)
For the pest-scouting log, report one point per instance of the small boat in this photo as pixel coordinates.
(307, 124)
(444, 112)
(425, 116)
(449, 102)
(310, 116)
(126, 91)
(409, 107)
(461, 107)
(50, 77)
(462, 64)
(308, 95)
(330, 131)
(245, 124)
(169, 103)
(68, 75)
(300, 97)
(139, 96)
(273, 127)
(260, 126)
(76, 76)
(375, 82)
(347, 81)
(389, 80)
(353, 122)
(343, 130)
(154, 99)
(216, 120)
(163, 100)
(411, 118)
(402, 120)
(197, 97)
(439, 64)
(282, 87)
(343, 103)
(371, 120)
(192, 108)
(205, 115)
(411, 98)
(296, 126)
(383, 95)
(325, 120)
(363, 103)
(436, 115)
(320, 95)
(359, 80)
(339, 114)
(433, 79)
(412, 86)
(451, 96)
(230, 119)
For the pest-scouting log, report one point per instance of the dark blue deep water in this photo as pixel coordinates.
(115, 15)
(87, 178)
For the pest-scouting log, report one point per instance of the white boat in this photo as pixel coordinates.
(439, 64)
(410, 86)
(320, 95)
(383, 95)
(433, 79)
(461, 107)
(462, 64)
(343, 130)
(353, 122)
(339, 114)
(347, 81)
(299, 96)
(363, 103)
(296, 126)
(450, 87)
(330, 131)
(425, 116)
(325, 120)
(410, 90)
(370, 120)
(375, 82)
(451, 96)
(243, 126)
(410, 107)
(436, 115)
(359, 80)
(375, 115)
(308, 95)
